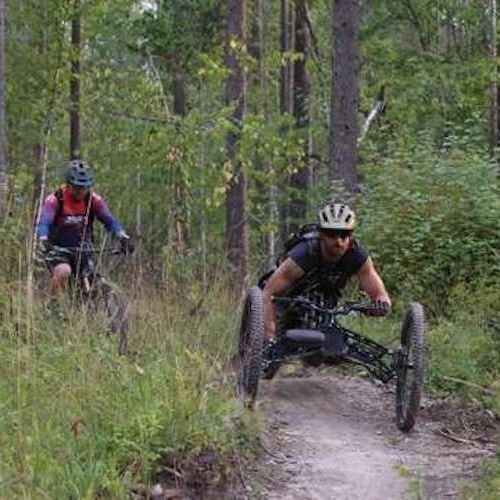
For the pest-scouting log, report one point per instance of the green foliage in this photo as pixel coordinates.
(462, 353)
(178, 34)
(77, 419)
(432, 61)
(428, 213)
(431, 218)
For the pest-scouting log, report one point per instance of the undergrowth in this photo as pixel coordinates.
(462, 353)
(77, 419)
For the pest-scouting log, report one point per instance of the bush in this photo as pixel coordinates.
(431, 220)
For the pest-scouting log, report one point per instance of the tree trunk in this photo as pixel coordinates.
(54, 93)
(180, 233)
(40, 148)
(74, 84)
(286, 92)
(179, 92)
(494, 84)
(286, 42)
(236, 224)
(302, 179)
(3, 155)
(266, 190)
(256, 49)
(344, 106)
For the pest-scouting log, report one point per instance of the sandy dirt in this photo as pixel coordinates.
(334, 437)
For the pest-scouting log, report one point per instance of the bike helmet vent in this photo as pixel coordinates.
(337, 216)
(79, 174)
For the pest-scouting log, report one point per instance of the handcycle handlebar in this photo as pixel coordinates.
(341, 310)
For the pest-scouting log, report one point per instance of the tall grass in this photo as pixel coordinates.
(462, 353)
(77, 419)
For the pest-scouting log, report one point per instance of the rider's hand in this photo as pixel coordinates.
(270, 350)
(378, 308)
(126, 244)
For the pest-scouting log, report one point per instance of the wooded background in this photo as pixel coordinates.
(216, 127)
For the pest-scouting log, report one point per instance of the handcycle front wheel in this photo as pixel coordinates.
(113, 303)
(410, 367)
(250, 341)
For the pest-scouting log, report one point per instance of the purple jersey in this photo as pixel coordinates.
(67, 222)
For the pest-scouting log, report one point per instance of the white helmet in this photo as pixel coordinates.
(337, 216)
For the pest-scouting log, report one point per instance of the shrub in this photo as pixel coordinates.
(431, 220)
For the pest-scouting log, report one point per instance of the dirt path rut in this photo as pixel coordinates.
(338, 440)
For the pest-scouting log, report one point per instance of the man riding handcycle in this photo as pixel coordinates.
(293, 314)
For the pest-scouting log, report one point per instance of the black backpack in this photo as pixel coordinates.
(307, 232)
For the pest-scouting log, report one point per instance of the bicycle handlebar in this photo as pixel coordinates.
(56, 251)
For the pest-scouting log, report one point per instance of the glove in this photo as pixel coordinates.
(270, 350)
(127, 247)
(378, 308)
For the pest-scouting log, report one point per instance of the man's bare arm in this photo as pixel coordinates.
(371, 282)
(282, 280)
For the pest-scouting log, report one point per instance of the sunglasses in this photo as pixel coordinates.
(337, 233)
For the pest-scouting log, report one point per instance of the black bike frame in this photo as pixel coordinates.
(342, 342)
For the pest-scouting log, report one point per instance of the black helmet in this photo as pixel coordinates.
(79, 174)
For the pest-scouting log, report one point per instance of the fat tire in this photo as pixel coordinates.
(250, 341)
(410, 367)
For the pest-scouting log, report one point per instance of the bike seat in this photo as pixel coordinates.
(310, 337)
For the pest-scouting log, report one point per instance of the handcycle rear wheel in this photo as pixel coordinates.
(410, 367)
(250, 341)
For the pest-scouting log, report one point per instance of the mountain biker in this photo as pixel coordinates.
(321, 263)
(67, 218)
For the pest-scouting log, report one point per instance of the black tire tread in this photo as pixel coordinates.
(250, 348)
(118, 322)
(413, 329)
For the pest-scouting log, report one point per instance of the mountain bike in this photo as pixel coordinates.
(312, 333)
(93, 289)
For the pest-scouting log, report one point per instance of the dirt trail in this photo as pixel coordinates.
(338, 440)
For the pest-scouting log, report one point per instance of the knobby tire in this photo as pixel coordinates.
(250, 341)
(115, 307)
(410, 369)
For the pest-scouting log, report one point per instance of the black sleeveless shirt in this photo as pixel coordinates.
(326, 278)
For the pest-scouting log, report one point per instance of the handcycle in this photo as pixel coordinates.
(311, 332)
(92, 288)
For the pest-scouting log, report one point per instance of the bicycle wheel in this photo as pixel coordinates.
(113, 302)
(410, 367)
(250, 342)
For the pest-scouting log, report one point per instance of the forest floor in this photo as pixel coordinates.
(335, 437)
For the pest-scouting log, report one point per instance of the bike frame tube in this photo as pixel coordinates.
(379, 360)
